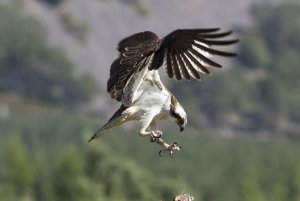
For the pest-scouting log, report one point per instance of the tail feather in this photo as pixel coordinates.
(98, 133)
(112, 122)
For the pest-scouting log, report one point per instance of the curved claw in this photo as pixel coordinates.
(175, 146)
(170, 149)
(154, 139)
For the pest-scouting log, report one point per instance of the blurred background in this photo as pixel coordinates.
(243, 137)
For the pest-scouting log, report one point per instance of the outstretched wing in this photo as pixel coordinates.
(185, 52)
(127, 72)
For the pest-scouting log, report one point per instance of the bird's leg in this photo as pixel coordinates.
(168, 148)
(144, 128)
(156, 80)
(153, 127)
(159, 84)
(154, 134)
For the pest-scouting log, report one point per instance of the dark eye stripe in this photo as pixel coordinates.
(172, 110)
(177, 116)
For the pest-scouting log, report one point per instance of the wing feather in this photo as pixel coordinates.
(197, 65)
(174, 63)
(183, 52)
(203, 59)
(188, 50)
(170, 70)
(193, 72)
(183, 69)
(127, 71)
(214, 35)
(213, 51)
(218, 42)
(129, 90)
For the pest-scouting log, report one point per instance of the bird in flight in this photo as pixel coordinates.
(135, 82)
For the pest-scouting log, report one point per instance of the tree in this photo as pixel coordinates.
(30, 67)
(17, 168)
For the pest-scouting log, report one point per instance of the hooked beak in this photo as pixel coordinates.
(181, 128)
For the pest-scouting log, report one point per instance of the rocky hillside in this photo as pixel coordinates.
(90, 30)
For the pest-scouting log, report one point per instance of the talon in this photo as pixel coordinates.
(170, 149)
(176, 146)
(153, 139)
(155, 135)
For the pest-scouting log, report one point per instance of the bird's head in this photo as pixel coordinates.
(178, 114)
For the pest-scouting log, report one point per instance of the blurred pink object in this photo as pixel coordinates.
(183, 197)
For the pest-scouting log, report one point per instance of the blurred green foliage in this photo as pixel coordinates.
(42, 163)
(30, 67)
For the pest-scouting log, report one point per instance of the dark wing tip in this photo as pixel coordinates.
(205, 30)
(215, 35)
(219, 42)
(184, 51)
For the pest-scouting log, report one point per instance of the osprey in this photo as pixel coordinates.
(134, 78)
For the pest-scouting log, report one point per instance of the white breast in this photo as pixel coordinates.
(151, 96)
(151, 101)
